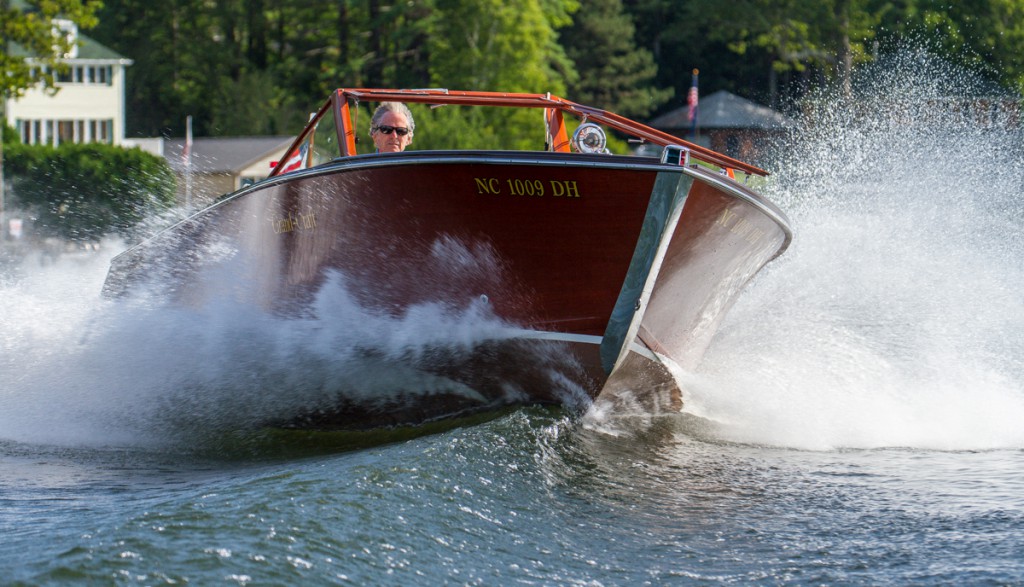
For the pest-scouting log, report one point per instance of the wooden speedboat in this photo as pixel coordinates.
(605, 272)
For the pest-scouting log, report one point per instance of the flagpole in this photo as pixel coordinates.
(188, 161)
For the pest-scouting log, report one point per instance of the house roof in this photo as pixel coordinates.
(89, 48)
(229, 155)
(725, 110)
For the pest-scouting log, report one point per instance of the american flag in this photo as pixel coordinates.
(691, 100)
(297, 160)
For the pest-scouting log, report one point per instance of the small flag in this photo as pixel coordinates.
(296, 161)
(691, 100)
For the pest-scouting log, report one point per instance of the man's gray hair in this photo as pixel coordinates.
(397, 108)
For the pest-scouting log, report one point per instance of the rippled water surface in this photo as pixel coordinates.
(856, 421)
(529, 498)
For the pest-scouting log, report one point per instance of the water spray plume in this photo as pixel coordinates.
(896, 317)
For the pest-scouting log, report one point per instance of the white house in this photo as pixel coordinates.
(90, 105)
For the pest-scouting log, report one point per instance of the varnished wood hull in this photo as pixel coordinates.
(581, 261)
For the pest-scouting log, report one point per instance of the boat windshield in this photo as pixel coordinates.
(324, 146)
(317, 144)
(567, 127)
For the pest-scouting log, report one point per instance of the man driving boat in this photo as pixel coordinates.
(391, 127)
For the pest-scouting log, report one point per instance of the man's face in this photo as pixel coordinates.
(387, 136)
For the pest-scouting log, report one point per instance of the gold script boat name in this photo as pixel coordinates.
(294, 222)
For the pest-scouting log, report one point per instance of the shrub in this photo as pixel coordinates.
(82, 192)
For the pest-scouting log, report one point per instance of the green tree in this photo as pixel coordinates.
(796, 35)
(680, 41)
(494, 45)
(255, 105)
(204, 59)
(31, 47)
(613, 73)
(182, 59)
(762, 46)
(237, 65)
(500, 44)
(985, 35)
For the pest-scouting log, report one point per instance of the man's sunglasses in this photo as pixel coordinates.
(399, 130)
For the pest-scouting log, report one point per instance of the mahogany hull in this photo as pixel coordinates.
(571, 263)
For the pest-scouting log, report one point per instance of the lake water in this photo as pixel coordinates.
(530, 498)
(858, 420)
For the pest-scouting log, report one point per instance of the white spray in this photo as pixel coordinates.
(81, 369)
(897, 316)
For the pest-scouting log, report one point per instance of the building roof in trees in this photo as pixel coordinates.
(224, 155)
(89, 48)
(725, 110)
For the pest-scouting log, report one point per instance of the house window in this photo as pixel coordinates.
(55, 132)
(65, 131)
(82, 74)
(106, 131)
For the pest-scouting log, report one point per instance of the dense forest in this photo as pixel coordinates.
(254, 66)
